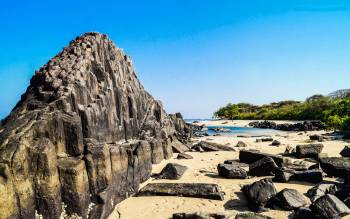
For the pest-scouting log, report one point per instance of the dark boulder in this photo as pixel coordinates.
(259, 193)
(236, 163)
(283, 175)
(251, 215)
(199, 215)
(320, 190)
(345, 152)
(303, 213)
(344, 194)
(172, 171)
(288, 199)
(319, 138)
(312, 176)
(329, 207)
(336, 167)
(263, 124)
(263, 167)
(264, 139)
(241, 144)
(251, 156)
(211, 146)
(184, 156)
(195, 190)
(275, 143)
(232, 171)
(308, 150)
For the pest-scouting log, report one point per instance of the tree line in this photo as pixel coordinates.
(335, 112)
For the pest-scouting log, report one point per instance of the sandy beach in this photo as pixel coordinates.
(203, 168)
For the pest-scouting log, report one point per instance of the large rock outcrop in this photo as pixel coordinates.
(83, 136)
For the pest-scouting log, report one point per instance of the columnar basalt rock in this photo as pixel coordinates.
(83, 136)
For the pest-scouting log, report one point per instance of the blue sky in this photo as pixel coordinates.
(192, 55)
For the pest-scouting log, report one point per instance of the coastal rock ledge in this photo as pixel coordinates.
(83, 136)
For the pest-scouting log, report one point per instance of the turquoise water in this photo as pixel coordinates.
(234, 130)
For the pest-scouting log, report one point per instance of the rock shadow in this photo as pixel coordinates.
(238, 204)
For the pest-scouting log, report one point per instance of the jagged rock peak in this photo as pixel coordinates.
(83, 136)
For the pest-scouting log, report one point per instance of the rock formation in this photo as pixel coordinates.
(83, 136)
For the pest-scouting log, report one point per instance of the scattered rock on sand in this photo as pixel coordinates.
(259, 193)
(241, 144)
(336, 167)
(343, 193)
(184, 156)
(308, 150)
(312, 176)
(195, 190)
(288, 199)
(251, 156)
(275, 143)
(236, 163)
(172, 171)
(199, 215)
(264, 139)
(231, 171)
(345, 152)
(303, 213)
(211, 146)
(319, 138)
(290, 151)
(329, 206)
(320, 190)
(263, 167)
(283, 175)
(251, 215)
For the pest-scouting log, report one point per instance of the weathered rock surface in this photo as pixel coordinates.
(241, 144)
(329, 206)
(196, 190)
(264, 139)
(251, 215)
(211, 146)
(275, 143)
(303, 213)
(308, 150)
(184, 156)
(199, 215)
(232, 171)
(283, 175)
(288, 199)
(263, 167)
(251, 156)
(345, 152)
(259, 193)
(320, 190)
(312, 176)
(319, 138)
(336, 167)
(343, 194)
(85, 133)
(172, 171)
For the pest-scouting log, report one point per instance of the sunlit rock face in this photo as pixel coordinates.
(83, 136)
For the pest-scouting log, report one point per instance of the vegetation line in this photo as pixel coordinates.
(333, 110)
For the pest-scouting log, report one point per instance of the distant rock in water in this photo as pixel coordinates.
(300, 126)
(83, 136)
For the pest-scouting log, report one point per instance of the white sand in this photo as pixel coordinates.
(203, 169)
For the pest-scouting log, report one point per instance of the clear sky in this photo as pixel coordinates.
(193, 55)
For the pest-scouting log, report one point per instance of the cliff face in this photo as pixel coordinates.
(83, 136)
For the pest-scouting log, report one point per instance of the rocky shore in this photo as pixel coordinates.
(257, 179)
(83, 136)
